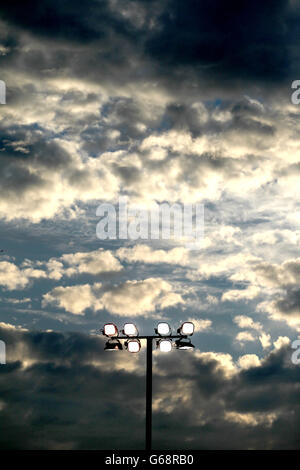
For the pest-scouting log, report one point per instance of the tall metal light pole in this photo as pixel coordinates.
(149, 395)
(114, 344)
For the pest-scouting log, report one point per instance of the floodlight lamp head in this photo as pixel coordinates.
(163, 329)
(186, 329)
(184, 344)
(113, 345)
(110, 330)
(133, 345)
(164, 345)
(130, 329)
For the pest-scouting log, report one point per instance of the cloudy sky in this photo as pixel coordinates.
(160, 101)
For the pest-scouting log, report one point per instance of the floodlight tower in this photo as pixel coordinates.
(163, 336)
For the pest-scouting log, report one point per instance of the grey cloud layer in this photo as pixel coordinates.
(100, 149)
(52, 382)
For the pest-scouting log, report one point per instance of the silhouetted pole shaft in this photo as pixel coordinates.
(149, 340)
(149, 395)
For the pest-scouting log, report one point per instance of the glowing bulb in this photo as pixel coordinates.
(163, 329)
(130, 329)
(133, 345)
(187, 328)
(110, 329)
(165, 345)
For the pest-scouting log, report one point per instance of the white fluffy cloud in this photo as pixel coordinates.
(201, 324)
(129, 298)
(12, 277)
(243, 321)
(235, 295)
(92, 262)
(265, 340)
(146, 254)
(281, 342)
(224, 361)
(244, 337)
(283, 306)
(248, 360)
(251, 419)
(74, 299)
(140, 297)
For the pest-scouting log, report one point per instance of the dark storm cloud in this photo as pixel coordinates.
(269, 388)
(120, 114)
(63, 393)
(28, 143)
(252, 126)
(290, 303)
(245, 39)
(71, 395)
(178, 43)
(183, 117)
(245, 107)
(285, 301)
(71, 20)
(24, 147)
(125, 114)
